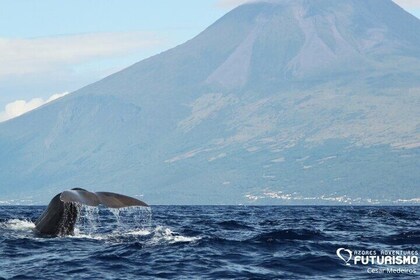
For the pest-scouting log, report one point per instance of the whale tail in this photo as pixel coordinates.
(61, 214)
(108, 199)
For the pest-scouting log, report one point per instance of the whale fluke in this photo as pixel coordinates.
(80, 196)
(115, 200)
(61, 214)
(108, 199)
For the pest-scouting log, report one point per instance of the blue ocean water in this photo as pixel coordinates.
(206, 242)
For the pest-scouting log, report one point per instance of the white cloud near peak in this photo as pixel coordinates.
(228, 4)
(408, 4)
(19, 107)
(26, 56)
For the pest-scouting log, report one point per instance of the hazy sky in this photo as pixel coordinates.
(50, 47)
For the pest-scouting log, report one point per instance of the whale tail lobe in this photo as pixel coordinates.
(108, 199)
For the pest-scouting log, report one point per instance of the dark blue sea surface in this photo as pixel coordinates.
(206, 242)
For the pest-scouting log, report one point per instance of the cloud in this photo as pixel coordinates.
(20, 107)
(408, 4)
(228, 4)
(27, 56)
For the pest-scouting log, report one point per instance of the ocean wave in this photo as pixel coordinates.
(407, 237)
(288, 234)
(204, 242)
(153, 236)
(233, 225)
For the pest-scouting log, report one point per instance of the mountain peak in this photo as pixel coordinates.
(311, 39)
(286, 43)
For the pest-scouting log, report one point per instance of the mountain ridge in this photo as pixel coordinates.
(242, 113)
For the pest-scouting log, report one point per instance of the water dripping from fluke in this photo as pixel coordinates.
(113, 223)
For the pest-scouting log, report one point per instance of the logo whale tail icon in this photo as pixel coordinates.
(345, 258)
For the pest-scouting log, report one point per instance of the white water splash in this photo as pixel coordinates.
(140, 232)
(125, 224)
(20, 225)
(130, 222)
(165, 234)
(149, 237)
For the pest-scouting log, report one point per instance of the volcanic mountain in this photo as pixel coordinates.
(278, 102)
